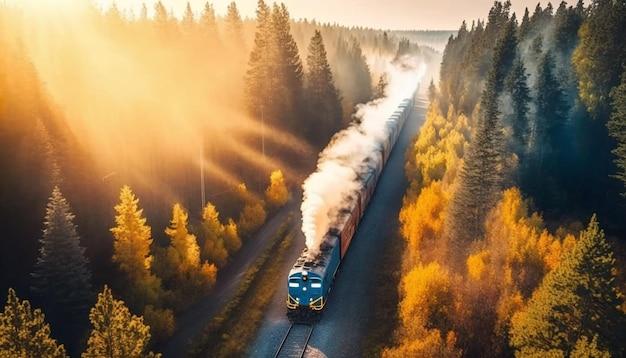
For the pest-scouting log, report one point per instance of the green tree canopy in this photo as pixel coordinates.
(577, 299)
(600, 56)
(61, 275)
(481, 176)
(617, 129)
(324, 100)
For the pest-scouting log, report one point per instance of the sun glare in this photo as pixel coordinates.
(48, 4)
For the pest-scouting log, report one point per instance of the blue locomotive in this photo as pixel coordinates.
(311, 277)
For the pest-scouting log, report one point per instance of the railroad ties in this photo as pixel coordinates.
(295, 341)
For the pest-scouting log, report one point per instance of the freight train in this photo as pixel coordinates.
(310, 280)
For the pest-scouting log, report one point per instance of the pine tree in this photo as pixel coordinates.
(600, 56)
(208, 25)
(432, 90)
(551, 112)
(577, 299)
(481, 176)
(323, 98)
(188, 22)
(234, 25)
(61, 275)
(524, 27)
(258, 84)
(116, 333)
(516, 84)
(143, 13)
(288, 72)
(567, 21)
(352, 75)
(617, 128)
(504, 55)
(381, 88)
(132, 237)
(24, 333)
(363, 76)
(162, 21)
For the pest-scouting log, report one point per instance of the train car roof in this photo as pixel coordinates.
(316, 265)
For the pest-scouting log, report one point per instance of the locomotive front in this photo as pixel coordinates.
(310, 279)
(305, 290)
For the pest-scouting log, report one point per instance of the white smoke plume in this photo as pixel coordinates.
(329, 188)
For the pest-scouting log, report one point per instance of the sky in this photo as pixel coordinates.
(378, 14)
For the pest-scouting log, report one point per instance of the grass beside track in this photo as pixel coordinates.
(230, 331)
(380, 332)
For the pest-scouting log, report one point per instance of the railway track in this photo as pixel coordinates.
(295, 341)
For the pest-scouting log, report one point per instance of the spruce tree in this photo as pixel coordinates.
(361, 70)
(381, 88)
(481, 176)
(116, 333)
(258, 79)
(288, 72)
(432, 90)
(524, 26)
(162, 22)
(504, 55)
(578, 303)
(188, 22)
(323, 98)
(352, 74)
(24, 332)
(551, 113)
(61, 275)
(516, 84)
(208, 25)
(234, 26)
(567, 21)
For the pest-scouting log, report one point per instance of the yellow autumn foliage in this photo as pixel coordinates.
(477, 264)
(427, 297)
(437, 151)
(277, 193)
(423, 219)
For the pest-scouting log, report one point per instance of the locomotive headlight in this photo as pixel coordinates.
(303, 288)
(294, 284)
(316, 285)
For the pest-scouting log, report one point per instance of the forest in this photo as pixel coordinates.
(140, 151)
(513, 222)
